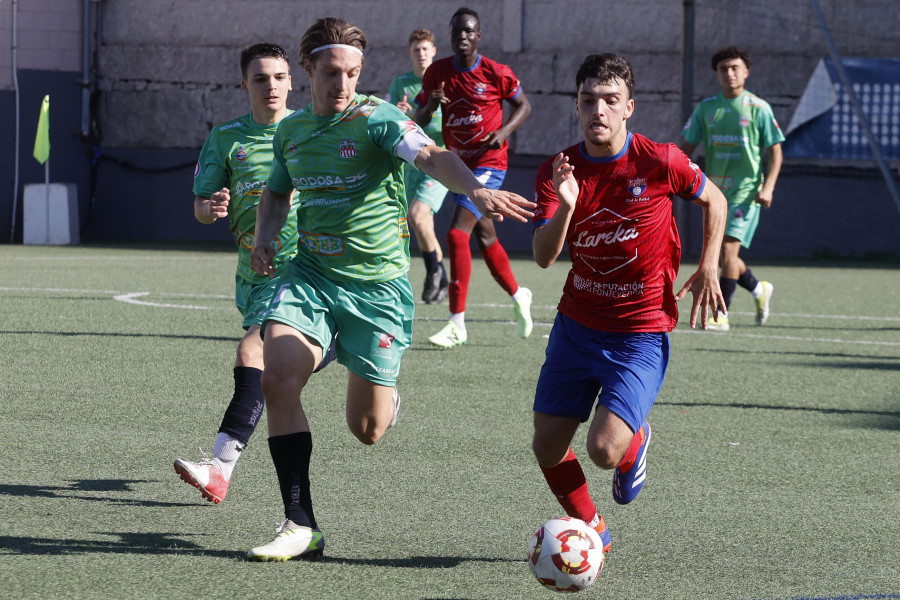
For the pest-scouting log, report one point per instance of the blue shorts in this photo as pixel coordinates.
(621, 371)
(491, 178)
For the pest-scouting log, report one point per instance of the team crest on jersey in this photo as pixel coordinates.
(479, 88)
(745, 122)
(637, 187)
(347, 149)
(241, 155)
(292, 148)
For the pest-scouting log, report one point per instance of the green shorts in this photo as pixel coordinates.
(374, 319)
(253, 299)
(743, 217)
(423, 188)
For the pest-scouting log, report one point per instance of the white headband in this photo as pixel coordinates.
(329, 46)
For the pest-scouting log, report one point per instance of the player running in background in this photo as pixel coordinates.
(344, 154)
(609, 200)
(425, 195)
(228, 182)
(471, 89)
(736, 127)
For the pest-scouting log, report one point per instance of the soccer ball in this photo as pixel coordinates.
(566, 555)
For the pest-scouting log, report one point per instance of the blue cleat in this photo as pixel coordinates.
(631, 473)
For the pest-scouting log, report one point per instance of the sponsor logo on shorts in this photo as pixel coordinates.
(385, 340)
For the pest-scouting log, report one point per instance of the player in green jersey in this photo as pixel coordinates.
(425, 195)
(228, 182)
(736, 128)
(344, 155)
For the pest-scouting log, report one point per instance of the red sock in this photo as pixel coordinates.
(631, 454)
(460, 268)
(498, 263)
(568, 484)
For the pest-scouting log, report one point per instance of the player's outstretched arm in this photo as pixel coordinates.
(271, 214)
(704, 283)
(441, 164)
(208, 210)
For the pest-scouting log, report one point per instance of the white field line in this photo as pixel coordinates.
(134, 298)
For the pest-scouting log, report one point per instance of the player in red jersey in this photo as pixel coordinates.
(470, 89)
(609, 199)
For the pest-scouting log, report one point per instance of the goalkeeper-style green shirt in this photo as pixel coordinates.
(734, 133)
(238, 155)
(351, 217)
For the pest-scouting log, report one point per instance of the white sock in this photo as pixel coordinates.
(518, 295)
(227, 452)
(459, 319)
(758, 290)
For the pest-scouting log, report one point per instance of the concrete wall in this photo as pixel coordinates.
(166, 71)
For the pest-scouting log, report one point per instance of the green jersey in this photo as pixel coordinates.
(238, 155)
(734, 133)
(409, 85)
(351, 217)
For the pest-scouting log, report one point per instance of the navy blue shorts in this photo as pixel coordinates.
(490, 178)
(621, 371)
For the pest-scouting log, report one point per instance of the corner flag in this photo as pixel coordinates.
(42, 139)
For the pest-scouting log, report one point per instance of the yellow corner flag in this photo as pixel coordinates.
(42, 139)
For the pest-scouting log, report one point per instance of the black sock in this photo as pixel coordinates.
(246, 406)
(291, 454)
(728, 286)
(431, 261)
(748, 281)
(443, 274)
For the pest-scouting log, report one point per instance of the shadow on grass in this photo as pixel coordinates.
(88, 485)
(165, 336)
(122, 543)
(815, 409)
(415, 562)
(889, 362)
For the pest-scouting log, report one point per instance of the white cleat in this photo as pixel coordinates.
(522, 312)
(291, 541)
(762, 303)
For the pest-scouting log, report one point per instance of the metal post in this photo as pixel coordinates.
(857, 108)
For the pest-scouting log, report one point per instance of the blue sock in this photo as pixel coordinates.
(728, 286)
(747, 281)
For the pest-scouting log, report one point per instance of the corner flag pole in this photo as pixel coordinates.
(42, 154)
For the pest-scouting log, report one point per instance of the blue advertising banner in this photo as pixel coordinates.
(824, 124)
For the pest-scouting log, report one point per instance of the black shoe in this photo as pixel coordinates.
(442, 292)
(432, 289)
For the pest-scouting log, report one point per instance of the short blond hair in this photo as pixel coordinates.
(421, 35)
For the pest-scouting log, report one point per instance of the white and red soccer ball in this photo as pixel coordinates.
(566, 555)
